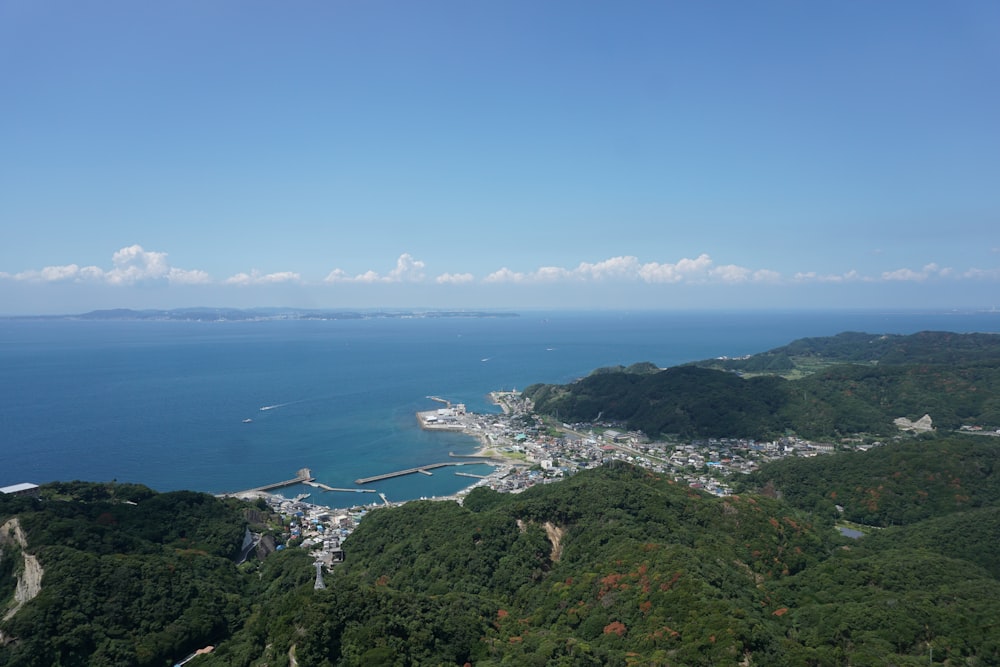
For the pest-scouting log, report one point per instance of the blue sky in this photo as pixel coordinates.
(499, 154)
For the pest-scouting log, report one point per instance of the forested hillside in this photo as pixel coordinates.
(852, 347)
(614, 566)
(846, 384)
(892, 485)
(131, 577)
(618, 566)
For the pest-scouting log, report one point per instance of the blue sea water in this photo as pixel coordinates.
(162, 403)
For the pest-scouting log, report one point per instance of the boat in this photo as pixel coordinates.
(247, 420)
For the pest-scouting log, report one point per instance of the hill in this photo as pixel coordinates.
(806, 355)
(842, 385)
(619, 566)
(128, 576)
(614, 566)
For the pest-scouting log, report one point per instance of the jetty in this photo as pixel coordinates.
(440, 400)
(410, 471)
(320, 485)
(304, 477)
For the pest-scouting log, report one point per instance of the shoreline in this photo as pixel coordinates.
(453, 419)
(486, 449)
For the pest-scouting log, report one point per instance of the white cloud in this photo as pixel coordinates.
(812, 276)
(407, 269)
(685, 270)
(505, 275)
(255, 277)
(614, 267)
(552, 274)
(982, 274)
(189, 277)
(56, 274)
(338, 276)
(369, 277)
(731, 273)
(697, 270)
(928, 271)
(766, 276)
(454, 278)
(133, 264)
(130, 265)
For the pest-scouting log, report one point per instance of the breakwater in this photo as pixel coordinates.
(410, 471)
(320, 485)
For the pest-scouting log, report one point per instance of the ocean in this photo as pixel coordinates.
(163, 403)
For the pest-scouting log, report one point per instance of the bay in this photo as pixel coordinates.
(163, 403)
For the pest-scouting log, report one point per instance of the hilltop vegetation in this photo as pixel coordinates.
(619, 566)
(614, 566)
(805, 355)
(131, 577)
(846, 384)
(890, 486)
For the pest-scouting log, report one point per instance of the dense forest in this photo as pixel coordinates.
(130, 576)
(816, 387)
(615, 565)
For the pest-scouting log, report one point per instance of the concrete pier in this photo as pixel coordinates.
(409, 471)
(320, 485)
(304, 477)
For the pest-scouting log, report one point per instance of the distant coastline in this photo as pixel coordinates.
(259, 314)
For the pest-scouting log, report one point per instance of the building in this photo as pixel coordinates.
(22, 489)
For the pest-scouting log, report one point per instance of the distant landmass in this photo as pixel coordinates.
(260, 314)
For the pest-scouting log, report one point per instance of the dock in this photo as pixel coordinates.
(469, 474)
(304, 477)
(440, 400)
(320, 485)
(410, 471)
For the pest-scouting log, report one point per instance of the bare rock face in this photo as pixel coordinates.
(922, 425)
(29, 579)
(555, 534)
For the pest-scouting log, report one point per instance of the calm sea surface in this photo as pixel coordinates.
(163, 403)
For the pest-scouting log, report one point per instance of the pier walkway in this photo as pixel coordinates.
(304, 477)
(409, 471)
(320, 485)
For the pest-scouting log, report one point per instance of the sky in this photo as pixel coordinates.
(487, 154)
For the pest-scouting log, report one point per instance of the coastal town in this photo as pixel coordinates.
(525, 450)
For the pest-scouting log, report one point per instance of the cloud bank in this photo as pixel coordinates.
(129, 266)
(133, 265)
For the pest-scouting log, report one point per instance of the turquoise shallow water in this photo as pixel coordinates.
(163, 403)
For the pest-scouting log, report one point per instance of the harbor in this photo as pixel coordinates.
(451, 417)
(303, 476)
